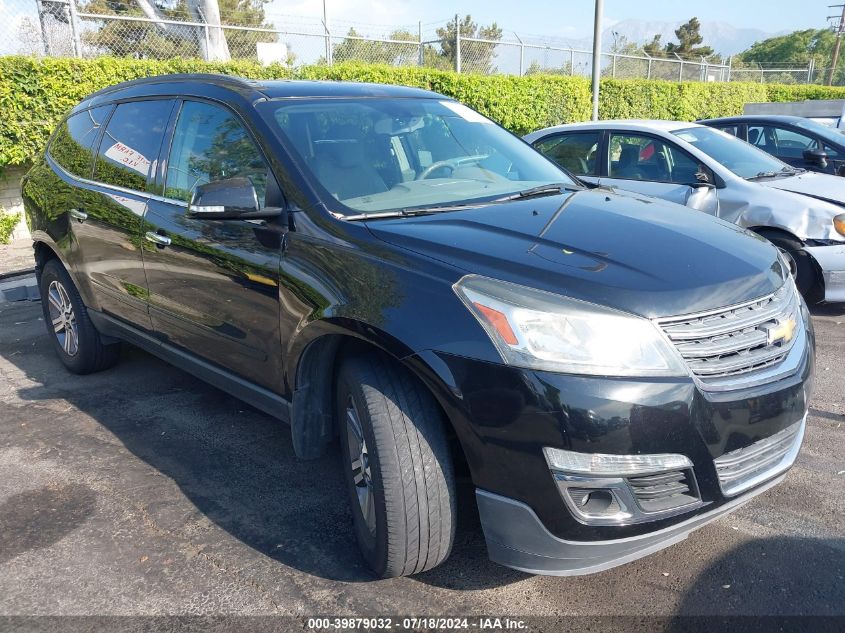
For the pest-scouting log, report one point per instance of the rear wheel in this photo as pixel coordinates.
(397, 467)
(804, 267)
(74, 337)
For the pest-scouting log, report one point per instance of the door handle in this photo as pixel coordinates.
(158, 240)
(78, 214)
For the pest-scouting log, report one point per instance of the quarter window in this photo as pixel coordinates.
(574, 152)
(210, 144)
(635, 157)
(131, 143)
(72, 146)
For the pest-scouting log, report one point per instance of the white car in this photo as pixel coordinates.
(803, 213)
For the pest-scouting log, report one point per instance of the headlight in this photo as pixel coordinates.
(839, 224)
(541, 330)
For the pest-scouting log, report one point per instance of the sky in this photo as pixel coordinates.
(564, 18)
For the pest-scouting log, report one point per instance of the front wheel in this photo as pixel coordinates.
(397, 467)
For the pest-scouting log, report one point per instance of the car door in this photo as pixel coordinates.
(108, 221)
(788, 145)
(213, 284)
(577, 152)
(648, 164)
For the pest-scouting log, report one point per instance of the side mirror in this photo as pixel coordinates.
(703, 179)
(228, 199)
(816, 157)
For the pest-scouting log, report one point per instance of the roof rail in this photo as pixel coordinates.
(209, 77)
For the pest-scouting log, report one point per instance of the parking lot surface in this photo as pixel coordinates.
(141, 490)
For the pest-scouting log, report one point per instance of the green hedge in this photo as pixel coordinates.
(34, 93)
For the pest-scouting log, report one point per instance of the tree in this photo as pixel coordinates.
(378, 52)
(689, 38)
(163, 40)
(475, 56)
(793, 49)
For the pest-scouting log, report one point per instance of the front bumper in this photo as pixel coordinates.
(504, 417)
(831, 260)
(516, 538)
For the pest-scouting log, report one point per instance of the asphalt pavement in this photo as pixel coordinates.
(143, 491)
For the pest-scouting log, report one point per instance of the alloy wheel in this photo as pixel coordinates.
(63, 318)
(359, 462)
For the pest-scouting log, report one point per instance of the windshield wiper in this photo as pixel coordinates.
(786, 171)
(406, 213)
(541, 190)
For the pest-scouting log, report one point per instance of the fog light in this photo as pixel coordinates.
(606, 489)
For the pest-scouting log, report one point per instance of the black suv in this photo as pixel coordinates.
(385, 266)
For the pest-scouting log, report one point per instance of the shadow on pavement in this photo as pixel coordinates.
(235, 464)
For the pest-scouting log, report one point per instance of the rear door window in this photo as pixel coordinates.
(72, 146)
(131, 143)
(575, 152)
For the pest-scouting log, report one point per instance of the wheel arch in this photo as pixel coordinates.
(312, 371)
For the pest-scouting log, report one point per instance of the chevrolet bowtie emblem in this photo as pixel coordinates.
(782, 331)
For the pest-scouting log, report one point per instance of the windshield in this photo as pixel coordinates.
(745, 160)
(828, 133)
(378, 155)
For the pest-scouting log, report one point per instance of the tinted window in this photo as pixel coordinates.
(780, 141)
(131, 143)
(210, 144)
(575, 152)
(733, 130)
(73, 144)
(636, 157)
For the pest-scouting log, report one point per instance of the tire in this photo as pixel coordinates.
(806, 276)
(409, 522)
(75, 339)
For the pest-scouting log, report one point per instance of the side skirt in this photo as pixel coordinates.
(270, 403)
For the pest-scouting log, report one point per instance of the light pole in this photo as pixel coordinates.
(597, 58)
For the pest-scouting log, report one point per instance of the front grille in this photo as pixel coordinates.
(744, 468)
(655, 493)
(736, 340)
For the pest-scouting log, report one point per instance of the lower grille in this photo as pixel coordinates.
(746, 467)
(662, 491)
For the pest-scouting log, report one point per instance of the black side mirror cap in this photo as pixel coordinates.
(229, 199)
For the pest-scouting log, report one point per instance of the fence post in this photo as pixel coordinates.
(648, 71)
(328, 35)
(421, 60)
(730, 61)
(681, 69)
(613, 71)
(572, 61)
(457, 44)
(521, 54)
(810, 70)
(762, 73)
(74, 29)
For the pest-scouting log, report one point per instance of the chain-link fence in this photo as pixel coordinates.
(91, 28)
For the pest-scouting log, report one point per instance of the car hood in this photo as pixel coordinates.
(815, 185)
(633, 253)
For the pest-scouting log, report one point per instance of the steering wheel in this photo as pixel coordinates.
(452, 164)
(425, 173)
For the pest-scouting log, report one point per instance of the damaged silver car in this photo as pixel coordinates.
(801, 212)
